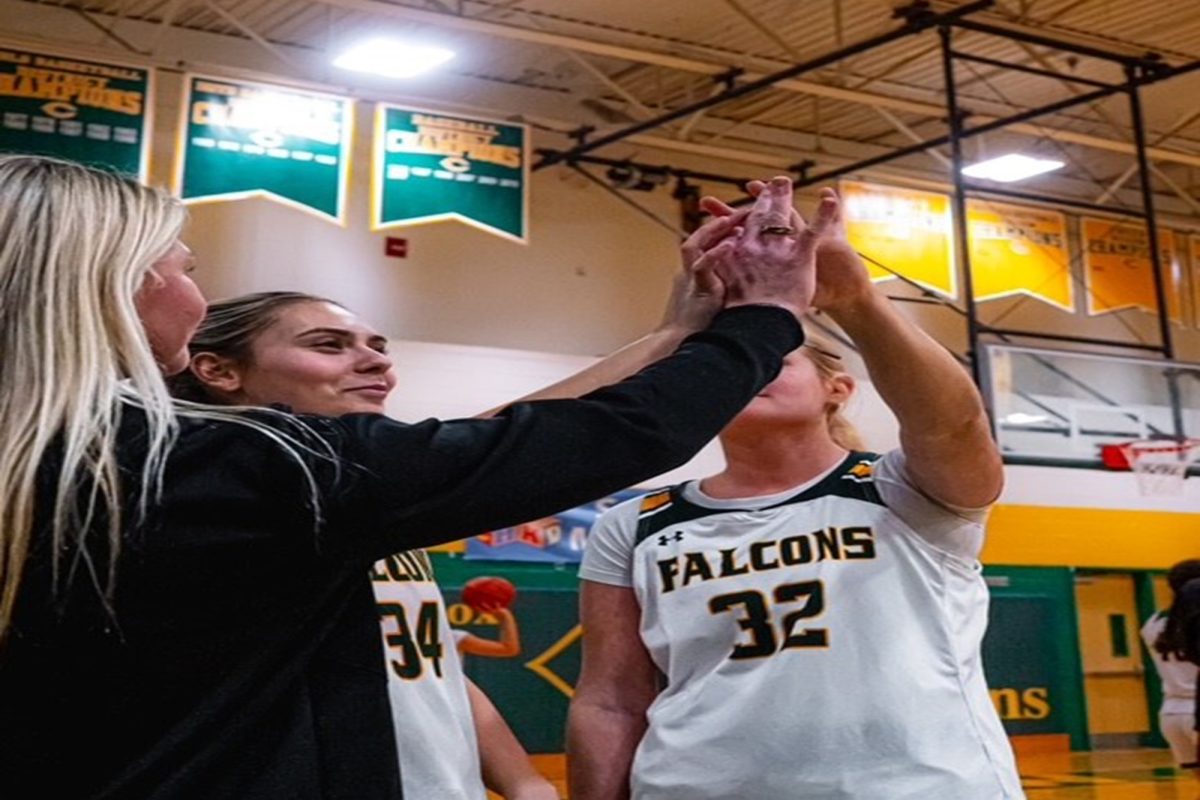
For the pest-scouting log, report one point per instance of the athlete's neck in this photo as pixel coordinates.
(757, 465)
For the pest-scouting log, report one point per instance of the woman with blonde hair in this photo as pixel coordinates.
(183, 589)
(807, 622)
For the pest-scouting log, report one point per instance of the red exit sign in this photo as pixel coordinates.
(395, 247)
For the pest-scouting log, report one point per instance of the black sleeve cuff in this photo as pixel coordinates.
(760, 320)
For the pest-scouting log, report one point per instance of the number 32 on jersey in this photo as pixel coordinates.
(754, 615)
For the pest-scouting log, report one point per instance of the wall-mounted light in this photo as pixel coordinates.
(1011, 167)
(392, 59)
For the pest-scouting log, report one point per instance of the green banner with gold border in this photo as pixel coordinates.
(85, 111)
(244, 139)
(431, 166)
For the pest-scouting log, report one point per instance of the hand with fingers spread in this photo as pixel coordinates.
(769, 257)
(842, 276)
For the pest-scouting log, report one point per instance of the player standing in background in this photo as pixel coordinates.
(816, 612)
(1173, 639)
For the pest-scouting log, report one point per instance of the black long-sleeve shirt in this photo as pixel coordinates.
(242, 657)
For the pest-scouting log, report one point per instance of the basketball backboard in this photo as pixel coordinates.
(1057, 408)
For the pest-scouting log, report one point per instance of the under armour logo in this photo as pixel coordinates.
(666, 539)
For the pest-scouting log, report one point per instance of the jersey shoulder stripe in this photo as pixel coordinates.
(854, 479)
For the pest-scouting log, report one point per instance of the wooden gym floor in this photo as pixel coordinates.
(1102, 775)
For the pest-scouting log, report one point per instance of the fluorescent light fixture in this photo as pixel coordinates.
(1011, 167)
(1021, 418)
(392, 59)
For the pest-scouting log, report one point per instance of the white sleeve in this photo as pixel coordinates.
(953, 529)
(608, 549)
(1152, 629)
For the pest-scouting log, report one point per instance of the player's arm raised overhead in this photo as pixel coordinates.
(617, 683)
(507, 646)
(944, 429)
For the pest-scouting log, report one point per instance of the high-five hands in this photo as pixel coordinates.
(767, 255)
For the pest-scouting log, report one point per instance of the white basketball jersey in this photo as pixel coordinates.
(435, 731)
(1178, 677)
(813, 644)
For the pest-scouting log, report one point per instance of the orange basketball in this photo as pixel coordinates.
(487, 591)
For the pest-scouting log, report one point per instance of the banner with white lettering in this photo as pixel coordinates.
(1019, 250)
(243, 139)
(431, 166)
(902, 233)
(85, 111)
(1120, 272)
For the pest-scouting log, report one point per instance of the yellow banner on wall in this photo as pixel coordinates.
(906, 230)
(1119, 272)
(1019, 250)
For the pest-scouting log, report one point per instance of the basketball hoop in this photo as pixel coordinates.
(1160, 465)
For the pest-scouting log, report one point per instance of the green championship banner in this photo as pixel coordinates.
(431, 166)
(79, 110)
(243, 139)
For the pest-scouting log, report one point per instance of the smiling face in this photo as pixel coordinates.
(316, 357)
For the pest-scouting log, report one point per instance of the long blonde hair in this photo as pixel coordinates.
(829, 365)
(75, 245)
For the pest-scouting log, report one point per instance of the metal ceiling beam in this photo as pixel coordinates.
(899, 125)
(640, 108)
(1130, 86)
(188, 51)
(108, 32)
(916, 23)
(1179, 191)
(1017, 34)
(167, 18)
(1179, 124)
(758, 25)
(252, 34)
(639, 56)
(222, 54)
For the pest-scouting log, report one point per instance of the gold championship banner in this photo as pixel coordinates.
(1119, 272)
(1019, 250)
(906, 230)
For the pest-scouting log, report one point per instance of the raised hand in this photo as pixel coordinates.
(842, 277)
(770, 258)
(697, 292)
